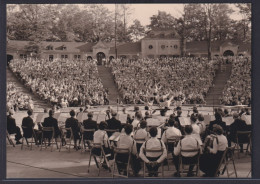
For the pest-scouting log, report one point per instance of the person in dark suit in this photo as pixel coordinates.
(28, 123)
(218, 121)
(12, 128)
(73, 123)
(51, 122)
(89, 124)
(114, 124)
(237, 125)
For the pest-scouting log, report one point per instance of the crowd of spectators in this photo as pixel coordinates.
(186, 79)
(17, 100)
(62, 82)
(238, 88)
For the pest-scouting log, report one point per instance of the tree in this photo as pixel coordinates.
(136, 30)
(124, 11)
(245, 23)
(162, 20)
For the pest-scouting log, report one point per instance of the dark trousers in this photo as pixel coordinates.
(185, 160)
(153, 169)
(122, 160)
(17, 132)
(97, 151)
(210, 162)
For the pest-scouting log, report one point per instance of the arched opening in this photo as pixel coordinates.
(240, 54)
(89, 58)
(111, 57)
(228, 53)
(100, 57)
(9, 58)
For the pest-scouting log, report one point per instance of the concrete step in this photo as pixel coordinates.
(108, 82)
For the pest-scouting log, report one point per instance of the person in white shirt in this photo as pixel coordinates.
(126, 141)
(141, 135)
(171, 132)
(195, 128)
(100, 137)
(187, 143)
(215, 147)
(153, 160)
(137, 120)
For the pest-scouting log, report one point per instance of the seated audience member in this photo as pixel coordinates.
(202, 126)
(214, 146)
(170, 132)
(179, 112)
(101, 137)
(12, 128)
(141, 134)
(237, 125)
(153, 160)
(137, 119)
(73, 123)
(28, 123)
(89, 124)
(218, 121)
(51, 122)
(195, 128)
(147, 115)
(114, 124)
(187, 143)
(126, 141)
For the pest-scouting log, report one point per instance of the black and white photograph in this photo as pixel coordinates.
(128, 91)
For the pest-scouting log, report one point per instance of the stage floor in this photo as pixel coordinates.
(46, 164)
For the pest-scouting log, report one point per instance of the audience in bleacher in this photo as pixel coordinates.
(186, 79)
(238, 88)
(61, 82)
(17, 100)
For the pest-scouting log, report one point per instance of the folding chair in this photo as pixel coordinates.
(101, 156)
(28, 133)
(246, 135)
(64, 133)
(85, 138)
(127, 152)
(170, 142)
(9, 139)
(48, 133)
(228, 156)
(153, 151)
(182, 164)
(139, 143)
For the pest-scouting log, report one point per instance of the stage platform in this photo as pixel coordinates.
(34, 163)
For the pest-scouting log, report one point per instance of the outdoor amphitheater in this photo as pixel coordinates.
(60, 160)
(113, 91)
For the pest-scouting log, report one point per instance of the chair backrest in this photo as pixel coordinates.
(48, 132)
(112, 130)
(87, 134)
(48, 129)
(96, 145)
(27, 132)
(243, 136)
(121, 150)
(173, 139)
(87, 130)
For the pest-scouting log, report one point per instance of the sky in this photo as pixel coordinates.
(143, 12)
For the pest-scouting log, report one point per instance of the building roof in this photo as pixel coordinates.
(57, 46)
(160, 33)
(201, 46)
(127, 48)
